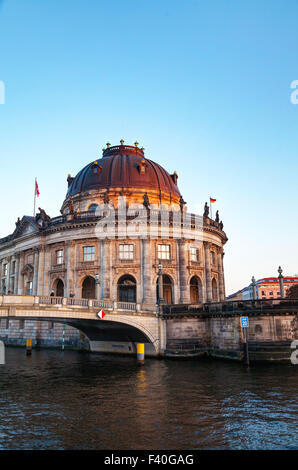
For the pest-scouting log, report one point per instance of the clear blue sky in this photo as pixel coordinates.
(204, 86)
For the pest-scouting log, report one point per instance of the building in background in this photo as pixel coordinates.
(266, 288)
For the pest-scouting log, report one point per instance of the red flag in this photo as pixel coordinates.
(36, 189)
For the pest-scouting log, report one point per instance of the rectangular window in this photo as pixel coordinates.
(164, 252)
(29, 287)
(13, 267)
(126, 251)
(21, 324)
(212, 257)
(59, 257)
(194, 254)
(89, 253)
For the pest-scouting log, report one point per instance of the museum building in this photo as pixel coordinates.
(174, 258)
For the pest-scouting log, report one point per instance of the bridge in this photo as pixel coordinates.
(173, 330)
(123, 326)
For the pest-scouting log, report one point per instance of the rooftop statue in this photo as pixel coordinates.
(206, 210)
(71, 206)
(182, 203)
(146, 202)
(106, 198)
(43, 217)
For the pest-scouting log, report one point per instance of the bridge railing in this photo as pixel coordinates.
(237, 306)
(126, 305)
(66, 301)
(50, 300)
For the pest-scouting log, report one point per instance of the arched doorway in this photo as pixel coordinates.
(167, 289)
(127, 289)
(59, 288)
(214, 290)
(195, 290)
(88, 288)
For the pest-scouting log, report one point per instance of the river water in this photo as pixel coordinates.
(73, 400)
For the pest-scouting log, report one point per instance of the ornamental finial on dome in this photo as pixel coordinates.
(108, 144)
(136, 143)
(122, 141)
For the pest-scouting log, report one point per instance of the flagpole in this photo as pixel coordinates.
(34, 198)
(210, 206)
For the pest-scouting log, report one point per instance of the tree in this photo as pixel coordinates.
(293, 292)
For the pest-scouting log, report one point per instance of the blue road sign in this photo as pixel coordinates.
(244, 322)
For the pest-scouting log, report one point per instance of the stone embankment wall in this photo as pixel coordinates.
(269, 337)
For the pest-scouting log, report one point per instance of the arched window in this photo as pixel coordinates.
(59, 288)
(127, 289)
(196, 290)
(88, 288)
(93, 208)
(167, 289)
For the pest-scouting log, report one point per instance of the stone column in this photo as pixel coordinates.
(40, 276)
(184, 287)
(105, 269)
(208, 279)
(47, 267)
(221, 279)
(8, 274)
(16, 276)
(148, 294)
(69, 265)
(20, 275)
(35, 274)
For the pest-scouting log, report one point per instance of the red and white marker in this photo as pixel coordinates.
(101, 314)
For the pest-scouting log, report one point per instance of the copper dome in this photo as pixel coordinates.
(123, 166)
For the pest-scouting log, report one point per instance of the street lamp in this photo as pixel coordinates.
(281, 282)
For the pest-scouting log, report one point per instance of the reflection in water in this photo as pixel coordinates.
(70, 400)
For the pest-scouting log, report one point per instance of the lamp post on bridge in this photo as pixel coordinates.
(254, 288)
(281, 282)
